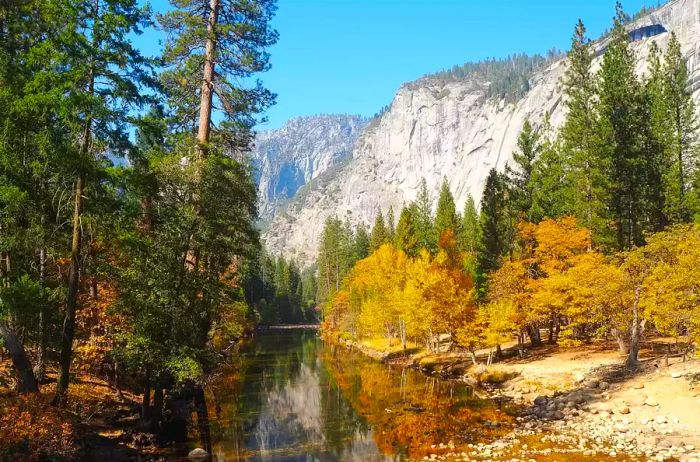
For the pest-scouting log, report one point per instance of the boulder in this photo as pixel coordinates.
(198, 454)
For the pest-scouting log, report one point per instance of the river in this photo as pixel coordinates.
(288, 396)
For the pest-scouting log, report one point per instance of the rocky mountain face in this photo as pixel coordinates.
(288, 158)
(435, 129)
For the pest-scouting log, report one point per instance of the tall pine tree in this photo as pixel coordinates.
(587, 166)
(446, 217)
(423, 219)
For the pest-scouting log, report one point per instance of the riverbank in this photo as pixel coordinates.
(578, 403)
(99, 423)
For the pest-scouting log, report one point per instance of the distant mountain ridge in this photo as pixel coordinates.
(287, 158)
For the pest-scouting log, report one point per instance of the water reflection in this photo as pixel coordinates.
(288, 397)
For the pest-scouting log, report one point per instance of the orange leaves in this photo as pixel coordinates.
(97, 326)
(32, 429)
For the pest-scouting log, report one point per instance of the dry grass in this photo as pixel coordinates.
(386, 345)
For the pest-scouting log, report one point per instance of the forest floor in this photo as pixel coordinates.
(98, 424)
(580, 403)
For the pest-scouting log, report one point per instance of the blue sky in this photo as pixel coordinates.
(350, 56)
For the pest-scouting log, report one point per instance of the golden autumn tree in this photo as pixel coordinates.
(449, 296)
(670, 297)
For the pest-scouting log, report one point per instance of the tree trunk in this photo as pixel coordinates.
(472, 353)
(402, 330)
(521, 344)
(157, 412)
(636, 332)
(26, 381)
(146, 401)
(40, 368)
(72, 297)
(205, 107)
(117, 387)
(93, 288)
(200, 403)
(534, 333)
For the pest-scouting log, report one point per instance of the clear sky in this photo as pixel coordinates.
(350, 56)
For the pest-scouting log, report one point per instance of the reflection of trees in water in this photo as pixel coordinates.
(408, 412)
(280, 404)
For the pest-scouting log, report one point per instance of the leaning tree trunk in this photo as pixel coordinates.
(26, 381)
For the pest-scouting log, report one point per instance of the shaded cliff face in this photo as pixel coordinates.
(434, 130)
(305, 147)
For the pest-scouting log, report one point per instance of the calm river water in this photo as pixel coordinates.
(290, 397)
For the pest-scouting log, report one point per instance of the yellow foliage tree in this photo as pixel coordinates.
(671, 291)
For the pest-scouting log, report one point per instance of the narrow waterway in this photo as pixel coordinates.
(290, 397)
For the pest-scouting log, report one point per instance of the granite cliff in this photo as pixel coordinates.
(453, 128)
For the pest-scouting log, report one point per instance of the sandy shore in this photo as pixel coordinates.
(584, 405)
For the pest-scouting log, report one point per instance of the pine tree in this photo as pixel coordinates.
(423, 219)
(211, 46)
(361, 244)
(390, 224)
(587, 165)
(469, 237)
(552, 194)
(676, 120)
(624, 128)
(520, 181)
(406, 238)
(101, 113)
(334, 257)
(494, 228)
(379, 235)
(446, 216)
